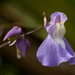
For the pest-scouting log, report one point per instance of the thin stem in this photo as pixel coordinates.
(34, 30)
(22, 36)
(6, 43)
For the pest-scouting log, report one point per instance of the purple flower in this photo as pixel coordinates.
(55, 49)
(22, 44)
(13, 32)
(22, 47)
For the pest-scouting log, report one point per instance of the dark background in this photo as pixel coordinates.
(28, 15)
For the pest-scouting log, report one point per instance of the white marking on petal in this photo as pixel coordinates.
(12, 43)
(59, 33)
(19, 56)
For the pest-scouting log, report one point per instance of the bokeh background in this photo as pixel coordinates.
(28, 15)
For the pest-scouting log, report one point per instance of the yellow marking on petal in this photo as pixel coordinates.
(58, 27)
(63, 28)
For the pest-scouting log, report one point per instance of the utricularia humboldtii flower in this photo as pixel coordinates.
(22, 44)
(55, 49)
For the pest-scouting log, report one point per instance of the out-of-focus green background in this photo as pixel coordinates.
(28, 15)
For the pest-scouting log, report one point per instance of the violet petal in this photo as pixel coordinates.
(23, 45)
(72, 60)
(12, 43)
(58, 17)
(50, 28)
(13, 32)
(70, 50)
(50, 53)
(68, 47)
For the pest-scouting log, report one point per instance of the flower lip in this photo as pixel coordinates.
(50, 53)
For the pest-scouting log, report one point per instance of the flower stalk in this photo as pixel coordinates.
(23, 35)
(6, 43)
(34, 30)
